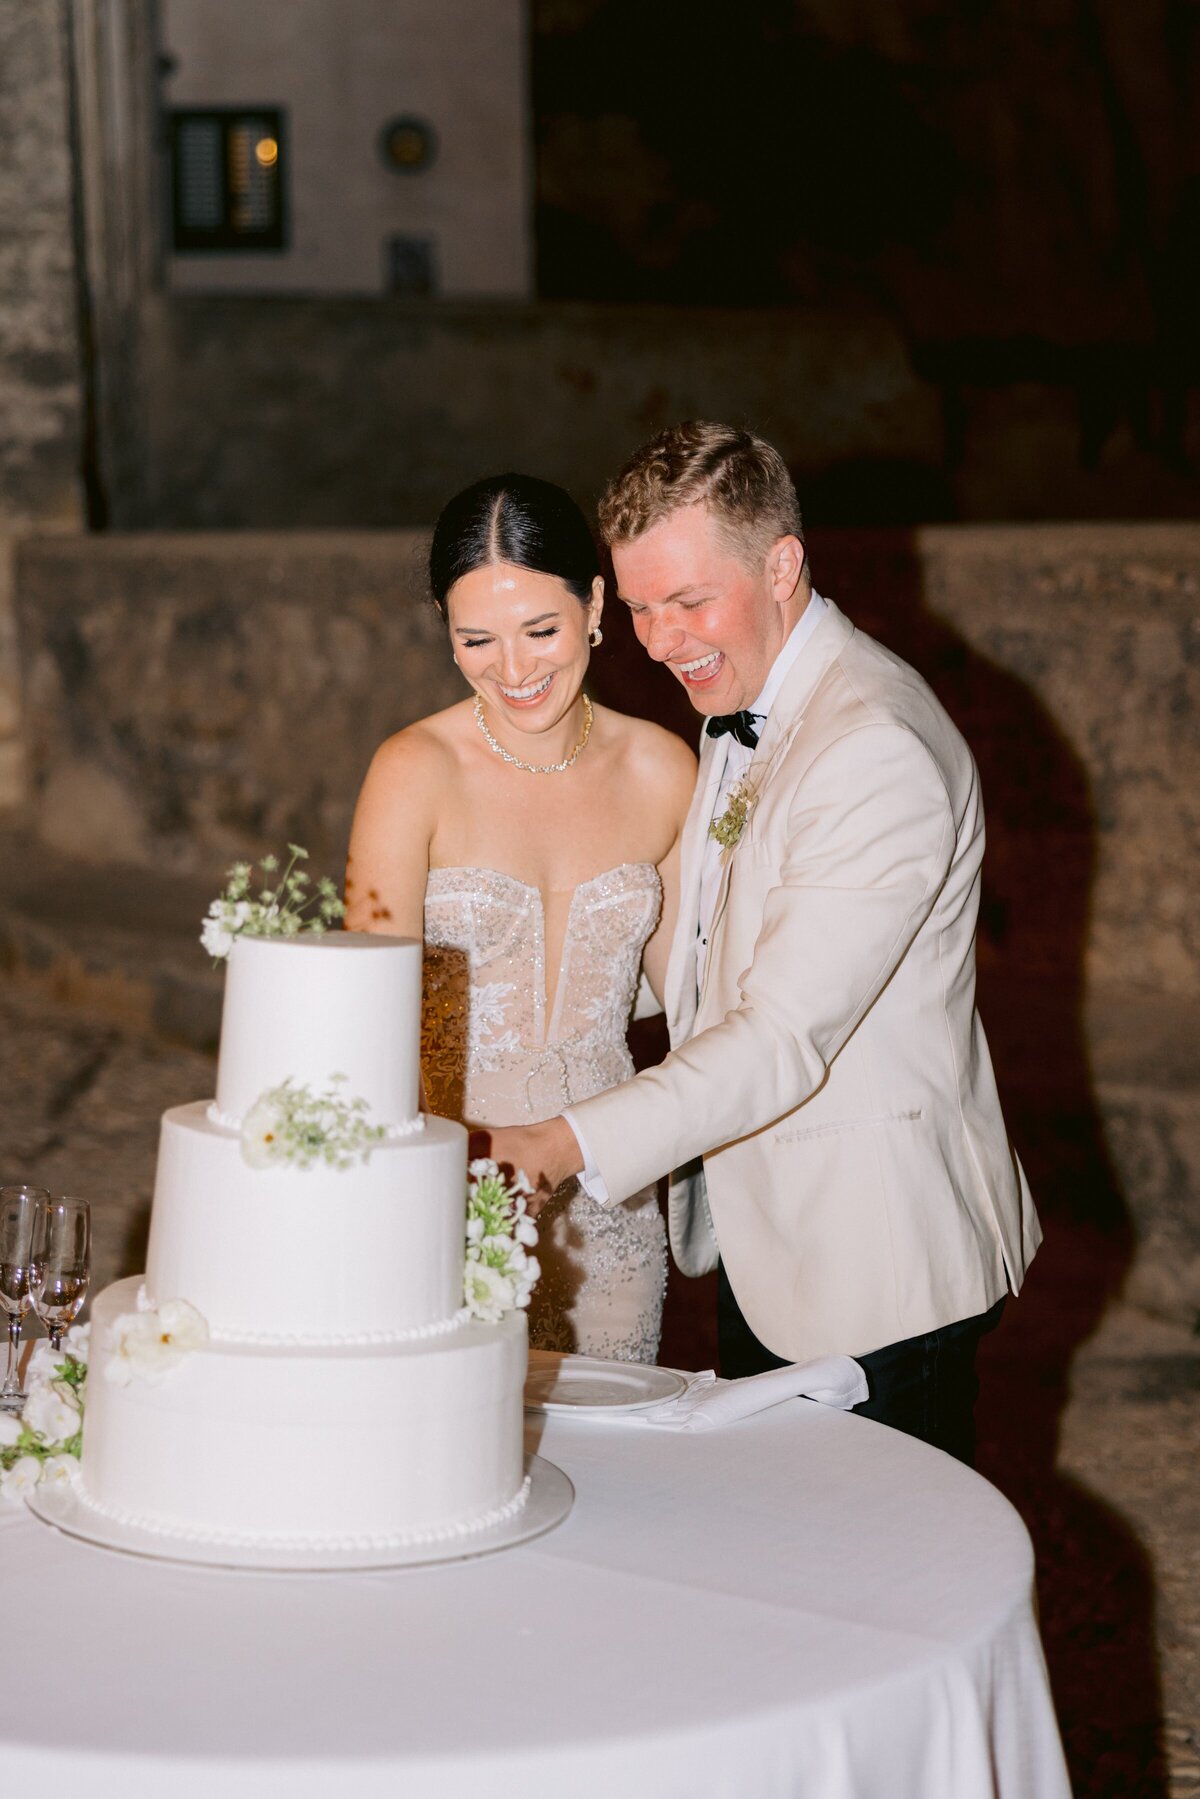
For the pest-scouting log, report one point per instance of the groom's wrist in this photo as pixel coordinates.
(564, 1151)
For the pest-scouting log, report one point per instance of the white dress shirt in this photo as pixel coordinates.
(737, 761)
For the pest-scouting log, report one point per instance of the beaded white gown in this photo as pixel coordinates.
(502, 1045)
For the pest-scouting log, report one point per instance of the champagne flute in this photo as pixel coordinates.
(60, 1262)
(19, 1206)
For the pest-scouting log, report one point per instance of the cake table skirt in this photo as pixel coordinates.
(804, 1606)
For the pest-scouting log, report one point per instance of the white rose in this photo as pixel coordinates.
(182, 1325)
(10, 1429)
(147, 1345)
(25, 1473)
(59, 1470)
(49, 1415)
(260, 1134)
(77, 1340)
(42, 1363)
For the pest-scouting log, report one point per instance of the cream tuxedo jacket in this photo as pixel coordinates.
(829, 1103)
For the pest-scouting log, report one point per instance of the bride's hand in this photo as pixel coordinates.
(546, 1153)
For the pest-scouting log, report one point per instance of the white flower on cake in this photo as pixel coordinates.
(487, 1292)
(23, 1475)
(499, 1275)
(292, 1124)
(44, 1441)
(59, 1470)
(52, 1412)
(148, 1345)
(279, 909)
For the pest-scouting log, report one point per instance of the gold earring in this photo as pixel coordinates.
(595, 637)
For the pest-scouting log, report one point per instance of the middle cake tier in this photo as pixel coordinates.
(373, 1252)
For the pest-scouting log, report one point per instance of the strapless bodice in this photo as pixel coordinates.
(502, 1043)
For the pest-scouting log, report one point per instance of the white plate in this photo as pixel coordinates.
(551, 1497)
(572, 1383)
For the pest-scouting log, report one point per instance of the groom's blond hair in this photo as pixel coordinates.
(740, 478)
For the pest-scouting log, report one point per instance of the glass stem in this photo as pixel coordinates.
(12, 1386)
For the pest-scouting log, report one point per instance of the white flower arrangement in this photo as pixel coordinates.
(42, 1443)
(290, 1123)
(278, 911)
(739, 804)
(500, 1273)
(149, 1343)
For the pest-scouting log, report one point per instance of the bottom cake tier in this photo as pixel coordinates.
(353, 1445)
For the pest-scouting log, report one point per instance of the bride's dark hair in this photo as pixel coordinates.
(512, 518)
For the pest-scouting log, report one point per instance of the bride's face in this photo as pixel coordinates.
(521, 639)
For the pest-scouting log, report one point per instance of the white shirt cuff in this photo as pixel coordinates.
(590, 1179)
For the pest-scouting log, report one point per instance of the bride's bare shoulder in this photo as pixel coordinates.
(426, 748)
(651, 748)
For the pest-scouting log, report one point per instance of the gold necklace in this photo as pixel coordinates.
(535, 768)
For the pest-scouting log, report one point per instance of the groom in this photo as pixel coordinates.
(828, 1105)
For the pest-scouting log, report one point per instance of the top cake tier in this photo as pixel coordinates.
(310, 1007)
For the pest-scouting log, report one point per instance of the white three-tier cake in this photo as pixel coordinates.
(334, 1393)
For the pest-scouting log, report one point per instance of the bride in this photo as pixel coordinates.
(532, 838)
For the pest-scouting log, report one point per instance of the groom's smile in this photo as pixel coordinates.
(699, 605)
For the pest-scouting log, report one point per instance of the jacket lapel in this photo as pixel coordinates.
(784, 720)
(680, 996)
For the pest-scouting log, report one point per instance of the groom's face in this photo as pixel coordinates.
(717, 624)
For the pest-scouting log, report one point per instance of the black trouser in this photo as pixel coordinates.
(925, 1385)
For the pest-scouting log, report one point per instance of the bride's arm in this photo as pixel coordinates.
(388, 862)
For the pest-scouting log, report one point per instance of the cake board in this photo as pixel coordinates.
(551, 1497)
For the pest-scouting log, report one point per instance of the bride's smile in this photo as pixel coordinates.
(521, 639)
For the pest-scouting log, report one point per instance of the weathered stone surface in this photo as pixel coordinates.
(12, 752)
(192, 698)
(40, 373)
(256, 417)
(1070, 656)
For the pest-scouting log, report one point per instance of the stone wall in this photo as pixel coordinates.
(189, 698)
(12, 757)
(41, 394)
(267, 413)
(192, 696)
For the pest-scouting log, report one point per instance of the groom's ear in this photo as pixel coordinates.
(785, 565)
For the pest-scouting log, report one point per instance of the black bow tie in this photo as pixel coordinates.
(743, 726)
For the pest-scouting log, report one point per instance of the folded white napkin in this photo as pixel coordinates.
(708, 1403)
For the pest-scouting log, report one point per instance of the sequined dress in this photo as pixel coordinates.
(500, 1047)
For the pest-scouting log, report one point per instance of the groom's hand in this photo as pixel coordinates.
(547, 1153)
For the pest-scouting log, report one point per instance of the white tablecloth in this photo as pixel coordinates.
(805, 1604)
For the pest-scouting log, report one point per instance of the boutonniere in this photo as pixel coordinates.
(727, 830)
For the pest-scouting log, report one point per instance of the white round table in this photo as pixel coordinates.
(803, 1604)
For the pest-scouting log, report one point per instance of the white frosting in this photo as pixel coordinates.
(499, 1514)
(225, 1121)
(313, 1006)
(371, 1253)
(352, 1445)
